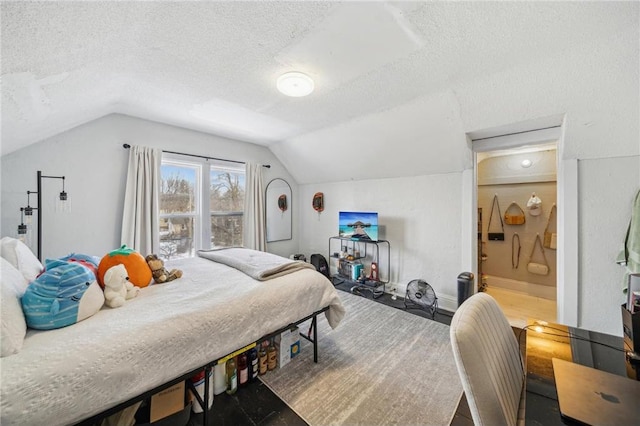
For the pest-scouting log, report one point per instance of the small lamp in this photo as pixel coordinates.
(28, 211)
(63, 194)
(62, 202)
(22, 228)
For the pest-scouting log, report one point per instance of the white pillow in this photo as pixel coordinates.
(14, 327)
(21, 257)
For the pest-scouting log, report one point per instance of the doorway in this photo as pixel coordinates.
(517, 200)
(531, 134)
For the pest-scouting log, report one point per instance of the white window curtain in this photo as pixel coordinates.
(254, 221)
(140, 224)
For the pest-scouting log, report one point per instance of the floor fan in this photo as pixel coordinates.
(422, 296)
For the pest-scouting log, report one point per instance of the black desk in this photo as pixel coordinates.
(553, 341)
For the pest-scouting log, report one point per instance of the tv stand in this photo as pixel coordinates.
(347, 253)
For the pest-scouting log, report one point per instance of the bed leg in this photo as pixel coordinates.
(207, 389)
(313, 327)
(314, 324)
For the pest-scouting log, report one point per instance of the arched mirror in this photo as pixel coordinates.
(278, 210)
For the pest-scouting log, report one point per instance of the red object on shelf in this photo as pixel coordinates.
(374, 272)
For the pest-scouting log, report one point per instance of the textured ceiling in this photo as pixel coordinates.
(212, 66)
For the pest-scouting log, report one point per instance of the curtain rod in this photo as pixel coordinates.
(268, 166)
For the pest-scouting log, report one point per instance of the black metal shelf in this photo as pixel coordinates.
(339, 279)
(360, 252)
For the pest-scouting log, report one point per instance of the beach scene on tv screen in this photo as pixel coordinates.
(360, 225)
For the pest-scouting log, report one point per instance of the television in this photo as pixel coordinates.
(358, 225)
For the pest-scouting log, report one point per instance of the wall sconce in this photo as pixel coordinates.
(28, 211)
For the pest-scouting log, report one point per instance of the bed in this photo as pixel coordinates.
(66, 375)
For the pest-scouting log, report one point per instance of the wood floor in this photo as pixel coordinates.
(519, 307)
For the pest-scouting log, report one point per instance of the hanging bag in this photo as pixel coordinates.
(495, 236)
(515, 252)
(534, 205)
(538, 268)
(550, 234)
(514, 215)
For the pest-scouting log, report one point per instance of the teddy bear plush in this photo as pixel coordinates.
(159, 272)
(117, 287)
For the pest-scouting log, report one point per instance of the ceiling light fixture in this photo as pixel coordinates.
(295, 84)
(526, 163)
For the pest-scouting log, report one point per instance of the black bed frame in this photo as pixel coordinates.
(313, 329)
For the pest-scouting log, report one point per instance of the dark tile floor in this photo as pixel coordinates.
(255, 404)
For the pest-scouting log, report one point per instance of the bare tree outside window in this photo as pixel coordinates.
(177, 194)
(227, 205)
(177, 211)
(181, 208)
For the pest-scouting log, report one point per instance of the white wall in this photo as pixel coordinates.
(607, 189)
(594, 87)
(424, 234)
(423, 221)
(597, 90)
(92, 159)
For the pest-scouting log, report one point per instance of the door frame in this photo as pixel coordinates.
(567, 201)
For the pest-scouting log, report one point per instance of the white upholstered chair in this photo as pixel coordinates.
(489, 362)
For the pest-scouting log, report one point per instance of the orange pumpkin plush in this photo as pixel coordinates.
(136, 266)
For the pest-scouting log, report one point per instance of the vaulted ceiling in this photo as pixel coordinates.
(212, 67)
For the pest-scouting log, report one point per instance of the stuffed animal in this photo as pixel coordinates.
(137, 269)
(66, 293)
(117, 287)
(159, 272)
(89, 261)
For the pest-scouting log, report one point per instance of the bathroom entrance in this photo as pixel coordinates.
(517, 230)
(520, 187)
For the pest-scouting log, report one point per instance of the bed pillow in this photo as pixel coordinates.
(14, 326)
(21, 257)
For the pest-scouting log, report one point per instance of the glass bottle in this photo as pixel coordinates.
(272, 357)
(253, 364)
(232, 378)
(262, 360)
(243, 369)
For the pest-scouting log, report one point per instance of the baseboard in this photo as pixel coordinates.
(448, 303)
(532, 289)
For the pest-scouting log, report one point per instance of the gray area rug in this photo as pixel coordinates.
(381, 366)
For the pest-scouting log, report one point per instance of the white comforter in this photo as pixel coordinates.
(63, 376)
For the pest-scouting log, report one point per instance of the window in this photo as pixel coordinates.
(186, 222)
(226, 207)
